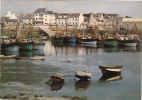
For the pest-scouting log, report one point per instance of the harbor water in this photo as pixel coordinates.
(22, 75)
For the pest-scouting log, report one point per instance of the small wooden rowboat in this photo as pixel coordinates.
(83, 75)
(57, 78)
(37, 58)
(111, 69)
(7, 57)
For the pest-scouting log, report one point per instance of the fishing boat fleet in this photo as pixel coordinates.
(100, 40)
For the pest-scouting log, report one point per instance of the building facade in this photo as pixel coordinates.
(43, 16)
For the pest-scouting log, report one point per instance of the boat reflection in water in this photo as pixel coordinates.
(26, 53)
(82, 86)
(129, 49)
(39, 52)
(110, 50)
(107, 78)
(56, 86)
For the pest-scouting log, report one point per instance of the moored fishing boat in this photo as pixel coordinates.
(128, 41)
(57, 78)
(83, 75)
(10, 47)
(111, 69)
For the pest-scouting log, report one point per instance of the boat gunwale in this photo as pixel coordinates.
(116, 66)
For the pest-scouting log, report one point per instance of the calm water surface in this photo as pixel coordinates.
(23, 75)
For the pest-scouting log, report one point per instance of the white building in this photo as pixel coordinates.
(43, 16)
(62, 19)
(28, 19)
(75, 19)
(72, 19)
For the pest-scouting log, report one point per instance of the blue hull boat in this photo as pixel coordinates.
(10, 47)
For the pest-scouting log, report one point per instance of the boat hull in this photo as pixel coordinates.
(111, 70)
(128, 43)
(26, 46)
(88, 41)
(70, 39)
(111, 42)
(10, 47)
(83, 75)
(58, 40)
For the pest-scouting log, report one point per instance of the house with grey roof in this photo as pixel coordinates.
(42, 16)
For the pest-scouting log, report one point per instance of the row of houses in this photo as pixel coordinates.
(43, 16)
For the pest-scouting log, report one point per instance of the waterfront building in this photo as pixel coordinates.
(9, 21)
(75, 19)
(89, 19)
(28, 19)
(61, 19)
(69, 19)
(42, 16)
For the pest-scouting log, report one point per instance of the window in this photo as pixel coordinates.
(41, 15)
(36, 14)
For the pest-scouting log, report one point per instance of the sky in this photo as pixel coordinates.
(123, 8)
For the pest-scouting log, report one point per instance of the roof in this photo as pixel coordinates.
(86, 15)
(41, 10)
(48, 12)
(73, 15)
(28, 16)
(59, 15)
(111, 14)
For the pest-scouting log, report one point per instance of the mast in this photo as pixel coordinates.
(66, 28)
